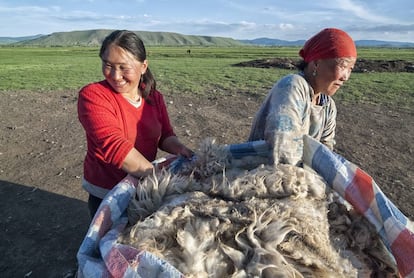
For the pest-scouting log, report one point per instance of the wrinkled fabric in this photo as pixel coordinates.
(329, 43)
(101, 256)
(287, 113)
(361, 191)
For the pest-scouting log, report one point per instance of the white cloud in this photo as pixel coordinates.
(286, 26)
(361, 11)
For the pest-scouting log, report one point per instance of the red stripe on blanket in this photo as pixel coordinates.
(103, 220)
(116, 263)
(403, 251)
(360, 192)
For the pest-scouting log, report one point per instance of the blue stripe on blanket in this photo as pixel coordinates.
(237, 151)
(253, 148)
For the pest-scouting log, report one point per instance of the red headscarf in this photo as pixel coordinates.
(327, 44)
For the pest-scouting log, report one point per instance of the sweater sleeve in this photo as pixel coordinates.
(284, 128)
(328, 134)
(99, 114)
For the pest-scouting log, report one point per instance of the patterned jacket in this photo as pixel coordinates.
(287, 114)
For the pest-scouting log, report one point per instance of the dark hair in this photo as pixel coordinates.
(301, 65)
(132, 43)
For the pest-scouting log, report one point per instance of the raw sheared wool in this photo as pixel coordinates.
(217, 218)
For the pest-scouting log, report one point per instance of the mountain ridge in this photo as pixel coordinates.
(94, 38)
(362, 43)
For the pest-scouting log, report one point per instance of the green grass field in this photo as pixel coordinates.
(208, 70)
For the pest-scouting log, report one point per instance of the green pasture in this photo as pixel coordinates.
(206, 71)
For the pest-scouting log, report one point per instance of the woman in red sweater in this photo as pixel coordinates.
(125, 118)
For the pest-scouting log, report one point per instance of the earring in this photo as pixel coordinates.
(142, 78)
(314, 73)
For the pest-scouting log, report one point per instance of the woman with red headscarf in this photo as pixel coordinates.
(302, 103)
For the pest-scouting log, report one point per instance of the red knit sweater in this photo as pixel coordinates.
(113, 127)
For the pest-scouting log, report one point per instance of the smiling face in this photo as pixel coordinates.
(331, 74)
(122, 70)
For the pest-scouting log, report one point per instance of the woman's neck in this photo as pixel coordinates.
(311, 79)
(133, 96)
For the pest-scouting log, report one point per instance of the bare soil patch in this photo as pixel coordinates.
(44, 211)
(362, 65)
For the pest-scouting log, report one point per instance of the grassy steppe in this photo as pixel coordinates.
(208, 70)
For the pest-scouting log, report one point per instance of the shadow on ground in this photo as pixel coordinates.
(42, 230)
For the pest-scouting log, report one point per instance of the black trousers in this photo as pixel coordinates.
(93, 205)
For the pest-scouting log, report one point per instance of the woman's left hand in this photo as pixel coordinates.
(186, 152)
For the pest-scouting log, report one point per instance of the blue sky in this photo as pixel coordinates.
(391, 20)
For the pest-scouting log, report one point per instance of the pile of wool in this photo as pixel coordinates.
(217, 218)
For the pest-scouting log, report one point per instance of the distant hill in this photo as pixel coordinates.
(375, 43)
(273, 42)
(360, 43)
(10, 40)
(95, 37)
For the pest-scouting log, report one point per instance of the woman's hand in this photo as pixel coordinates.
(186, 152)
(174, 146)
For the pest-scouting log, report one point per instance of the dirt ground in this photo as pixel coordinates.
(44, 214)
